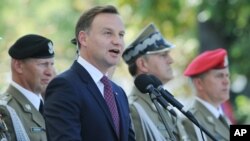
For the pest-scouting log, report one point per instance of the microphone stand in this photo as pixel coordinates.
(154, 100)
(169, 97)
(194, 120)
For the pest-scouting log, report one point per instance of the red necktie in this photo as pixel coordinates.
(110, 100)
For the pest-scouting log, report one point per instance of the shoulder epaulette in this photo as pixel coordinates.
(5, 98)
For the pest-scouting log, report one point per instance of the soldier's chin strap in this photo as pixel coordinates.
(20, 132)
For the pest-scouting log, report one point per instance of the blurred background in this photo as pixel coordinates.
(192, 25)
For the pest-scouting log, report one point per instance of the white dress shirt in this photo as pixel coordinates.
(94, 73)
(35, 99)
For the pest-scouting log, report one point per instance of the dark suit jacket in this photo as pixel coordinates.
(75, 110)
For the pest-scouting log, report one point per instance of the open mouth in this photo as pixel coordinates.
(45, 81)
(116, 51)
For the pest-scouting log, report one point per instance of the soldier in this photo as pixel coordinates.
(209, 75)
(32, 60)
(11, 127)
(149, 54)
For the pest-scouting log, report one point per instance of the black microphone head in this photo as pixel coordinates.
(156, 82)
(142, 82)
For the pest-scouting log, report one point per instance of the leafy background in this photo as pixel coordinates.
(192, 25)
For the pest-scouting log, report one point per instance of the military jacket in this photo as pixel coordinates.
(31, 118)
(206, 119)
(148, 124)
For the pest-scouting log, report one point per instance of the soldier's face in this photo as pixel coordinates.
(37, 73)
(159, 64)
(215, 86)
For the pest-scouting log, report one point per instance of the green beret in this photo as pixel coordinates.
(149, 41)
(32, 46)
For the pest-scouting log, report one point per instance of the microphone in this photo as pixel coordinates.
(157, 83)
(170, 98)
(145, 85)
(167, 95)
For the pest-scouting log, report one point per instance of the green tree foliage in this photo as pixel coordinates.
(215, 23)
(231, 20)
(226, 23)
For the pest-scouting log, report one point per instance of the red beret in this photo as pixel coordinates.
(212, 59)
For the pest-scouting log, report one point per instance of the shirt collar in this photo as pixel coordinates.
(32, 97)
(92, 70)
(94, 73)
(215, 111)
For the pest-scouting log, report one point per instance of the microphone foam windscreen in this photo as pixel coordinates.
(142, 81)
(156, 82)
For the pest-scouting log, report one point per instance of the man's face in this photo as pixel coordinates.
(103, 43)
(159, 64)
(215, 85)
(37, 73)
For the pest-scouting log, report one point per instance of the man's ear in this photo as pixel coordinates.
(17, 65)
(82, 38)
(141, 64)
(198, 83)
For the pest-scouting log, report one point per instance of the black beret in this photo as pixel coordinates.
(32, 46)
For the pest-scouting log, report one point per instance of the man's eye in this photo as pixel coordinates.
(121, 34)
(107, 33)
(163, 55)
(42, 64)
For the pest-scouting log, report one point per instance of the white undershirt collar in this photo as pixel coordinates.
(215, 111)
(32, 97)
(93, 71)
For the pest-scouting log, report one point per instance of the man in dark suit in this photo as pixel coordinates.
(32, 60)
(80, 105)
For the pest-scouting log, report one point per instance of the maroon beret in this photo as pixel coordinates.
(212, 59)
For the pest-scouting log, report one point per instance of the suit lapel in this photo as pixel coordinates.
(26, 106)
(120, 111)
(86, 78)
(101, 102)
